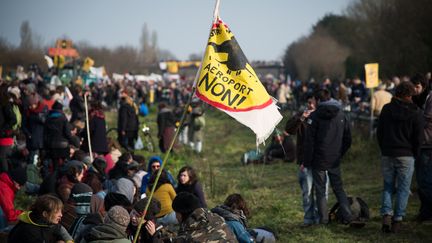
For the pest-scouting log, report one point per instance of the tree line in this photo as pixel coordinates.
(121, 59)
(395, 33)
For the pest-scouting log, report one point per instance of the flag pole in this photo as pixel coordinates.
(88, 128)
(183, 118)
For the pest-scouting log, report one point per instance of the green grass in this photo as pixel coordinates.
(272, 191)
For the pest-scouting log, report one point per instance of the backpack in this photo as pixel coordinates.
(359, 210)
(143, 109)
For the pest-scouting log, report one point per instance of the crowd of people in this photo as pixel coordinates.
(90, 187)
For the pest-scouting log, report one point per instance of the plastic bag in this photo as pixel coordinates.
(138, 144)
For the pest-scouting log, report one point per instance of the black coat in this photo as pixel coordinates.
(98, 137)
(34, 231)
(7, 120)
(400, 129)
(295, 126)
(127, 118)
(35, 127)
(77, 108)
(327, 137)
(56, 131)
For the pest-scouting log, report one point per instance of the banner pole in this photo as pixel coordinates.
(183, 118)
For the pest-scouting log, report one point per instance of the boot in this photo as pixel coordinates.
(386, 223)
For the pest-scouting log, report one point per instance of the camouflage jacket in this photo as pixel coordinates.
(204, 226)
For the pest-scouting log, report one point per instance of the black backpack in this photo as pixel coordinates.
(359, 210)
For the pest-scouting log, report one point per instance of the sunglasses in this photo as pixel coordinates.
(155, 166)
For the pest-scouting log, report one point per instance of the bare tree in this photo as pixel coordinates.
(26, 36)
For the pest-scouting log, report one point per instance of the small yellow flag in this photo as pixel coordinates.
(372, 75)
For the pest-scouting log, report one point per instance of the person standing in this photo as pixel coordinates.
(297, 126)
(166, 122)
(380, 98)
(97, 128)
(327, 139)
(9, 119)
(127, 123)
(400, 135)
(57, 136)
(423, 164)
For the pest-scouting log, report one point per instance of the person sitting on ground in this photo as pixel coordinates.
(198, 224)
(281, 147)
(113, 229)
(149, 231)
(74, 174)
(10, 183)
(116, 199)
(188, 182)
(41, 223)
(235, 212)
(165, 194)
(120, 182)
(80, 197)
(155, 162)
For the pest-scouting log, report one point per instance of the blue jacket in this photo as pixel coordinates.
(146, 178)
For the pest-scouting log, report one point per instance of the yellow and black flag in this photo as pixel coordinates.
(227, 81)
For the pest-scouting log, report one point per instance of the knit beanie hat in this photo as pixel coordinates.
(118, 216)
(153, 209)
(185, 203)
(81, 195)
(113, 199)
(19, 175)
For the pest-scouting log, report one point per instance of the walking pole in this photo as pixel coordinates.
(88, 128)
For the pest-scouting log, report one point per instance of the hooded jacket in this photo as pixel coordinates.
(31, 229)
(105, 233)
(327, 136)
(204, 226)
(146, 178)
(7, 192)
(237, 222)
(400, 129)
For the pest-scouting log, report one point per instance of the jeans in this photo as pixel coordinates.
(423, 168)
(319, 181)
(168, 219)
(396, 171)
(309, 201)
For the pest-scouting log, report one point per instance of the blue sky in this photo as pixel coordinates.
(263, 28)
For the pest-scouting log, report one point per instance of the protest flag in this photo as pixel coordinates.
(228, 82)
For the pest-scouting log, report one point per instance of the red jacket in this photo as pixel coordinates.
(7, 192)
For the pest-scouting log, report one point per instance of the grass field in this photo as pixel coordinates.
(272, 191)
